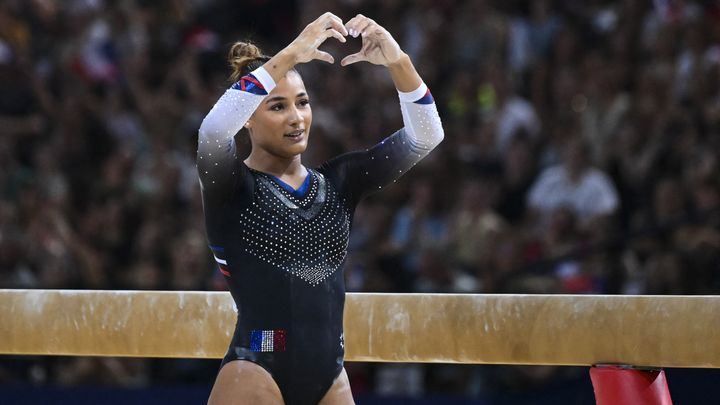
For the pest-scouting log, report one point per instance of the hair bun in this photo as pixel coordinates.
(241, 56)
(245, 49)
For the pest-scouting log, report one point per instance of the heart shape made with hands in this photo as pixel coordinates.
(378, 45)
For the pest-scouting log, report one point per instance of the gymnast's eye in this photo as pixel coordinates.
(304, 102)
(276, 107)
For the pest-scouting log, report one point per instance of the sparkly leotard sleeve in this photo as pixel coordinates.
(281, 249)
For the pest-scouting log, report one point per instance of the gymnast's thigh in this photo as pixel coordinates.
(339, 393)
(242, 382)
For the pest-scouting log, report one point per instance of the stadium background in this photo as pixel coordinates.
(101, 100)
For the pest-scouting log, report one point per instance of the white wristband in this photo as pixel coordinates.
(264, 78)
(415, 95)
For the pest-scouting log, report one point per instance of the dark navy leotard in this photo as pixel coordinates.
(281, 250)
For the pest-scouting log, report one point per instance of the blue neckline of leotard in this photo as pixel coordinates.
(297, 193)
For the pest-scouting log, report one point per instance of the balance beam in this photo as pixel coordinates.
(653, 331)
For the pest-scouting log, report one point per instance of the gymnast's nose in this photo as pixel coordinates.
(294, 116)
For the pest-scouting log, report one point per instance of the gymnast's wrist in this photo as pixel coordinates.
(288, 56)
(404, 75)
(403, 62)
(281, 63)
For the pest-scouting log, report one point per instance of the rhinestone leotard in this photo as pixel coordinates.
(281, 250)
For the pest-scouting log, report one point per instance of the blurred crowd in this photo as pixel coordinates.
(581, 155)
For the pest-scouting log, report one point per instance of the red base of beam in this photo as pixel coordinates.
(616, 385)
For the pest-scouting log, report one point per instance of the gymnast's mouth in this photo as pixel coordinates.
(295, 134)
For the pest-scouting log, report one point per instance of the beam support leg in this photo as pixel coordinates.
(621, 385)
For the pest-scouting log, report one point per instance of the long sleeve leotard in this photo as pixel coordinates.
(280, 249)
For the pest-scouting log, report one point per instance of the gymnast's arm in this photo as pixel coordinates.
(216, 160)
(368, 171)
(384, 163)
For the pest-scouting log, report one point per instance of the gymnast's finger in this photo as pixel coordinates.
(332, 32)
(323, 56)
(358, 24)
(334, 22)
(354, 58)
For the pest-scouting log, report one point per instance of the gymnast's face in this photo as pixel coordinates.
(281, 124)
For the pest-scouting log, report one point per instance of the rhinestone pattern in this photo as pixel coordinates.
(423, 125)
(216, 145)
(273, 340)
(305, 236)
(315, 206)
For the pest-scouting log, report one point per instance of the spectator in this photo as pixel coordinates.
(574, 184)
(418, 226)
(472, 231)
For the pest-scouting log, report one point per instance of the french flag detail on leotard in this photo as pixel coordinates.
(426, 99)
(272, 340)
(250, 84)
(219, 256)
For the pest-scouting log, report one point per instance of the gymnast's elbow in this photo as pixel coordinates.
(208, 130)
(435, 137)
(439, 136)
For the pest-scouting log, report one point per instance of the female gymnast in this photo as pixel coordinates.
(279, 230)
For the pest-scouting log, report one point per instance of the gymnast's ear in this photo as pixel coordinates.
(248, 124)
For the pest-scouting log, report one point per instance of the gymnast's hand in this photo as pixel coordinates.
(305, 47)
(378, 46)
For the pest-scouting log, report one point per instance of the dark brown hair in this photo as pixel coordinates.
(244, 57)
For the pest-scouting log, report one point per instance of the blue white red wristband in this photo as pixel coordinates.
(264, 78)
(415, 95)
